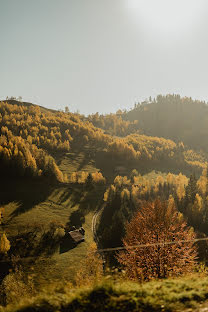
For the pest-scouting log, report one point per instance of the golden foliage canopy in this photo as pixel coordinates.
(156, 223)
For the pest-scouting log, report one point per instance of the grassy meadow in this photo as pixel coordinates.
(33, 204)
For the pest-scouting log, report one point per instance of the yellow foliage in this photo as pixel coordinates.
(202, 183)
(198, 203)
(18, 285)
(98, 177)
(73, 177)
(125, 194)
(4, 244)
(91, 270)
(171, 203)
(170, 178)
(109, 193)
(180, 191)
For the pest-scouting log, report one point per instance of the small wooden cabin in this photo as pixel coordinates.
(71, 239)
(76, 236)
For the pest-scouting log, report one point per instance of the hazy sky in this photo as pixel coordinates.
(102, 55)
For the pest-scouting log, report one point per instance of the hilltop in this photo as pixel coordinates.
(173, 117)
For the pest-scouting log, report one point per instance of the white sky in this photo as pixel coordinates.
(102, 55)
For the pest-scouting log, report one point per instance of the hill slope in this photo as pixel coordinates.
(39, 136)
(56, 168)
(173, 117)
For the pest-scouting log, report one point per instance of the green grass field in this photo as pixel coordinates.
(35, 203)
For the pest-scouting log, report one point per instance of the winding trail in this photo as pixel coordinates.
(96, 239)
(94, 222)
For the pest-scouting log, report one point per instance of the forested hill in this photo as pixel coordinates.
(173, 117)
(35, 141)
(62, 170)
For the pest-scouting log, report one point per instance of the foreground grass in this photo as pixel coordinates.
(166, 295)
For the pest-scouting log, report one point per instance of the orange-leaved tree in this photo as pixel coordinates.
(155, 225)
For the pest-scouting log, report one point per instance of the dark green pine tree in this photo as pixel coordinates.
(191, 190)
(205, 218)
(89, 181)
(190, 194)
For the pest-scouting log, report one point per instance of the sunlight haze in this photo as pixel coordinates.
(102, 55)
(167, 17)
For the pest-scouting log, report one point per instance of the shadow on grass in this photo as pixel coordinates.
(66, 245)
(86, 199)
(26, 192)
(74, 192)
(86, 160)
(77, 219)
(108, 165)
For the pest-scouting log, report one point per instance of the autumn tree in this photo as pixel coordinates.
(66, 109)
(89, 181)
(91, 269)
(154, 225)
(4, 244)
(133, 174)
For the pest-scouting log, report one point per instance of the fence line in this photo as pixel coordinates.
(152, 244)
(116, 248)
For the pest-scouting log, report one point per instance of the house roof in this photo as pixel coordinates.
(76, 236)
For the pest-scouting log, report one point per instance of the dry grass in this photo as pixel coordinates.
(164, 295)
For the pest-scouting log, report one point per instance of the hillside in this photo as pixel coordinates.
(173, 117)
(60, 169)
(41, 139)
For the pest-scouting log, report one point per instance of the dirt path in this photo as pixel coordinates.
(94, 221)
